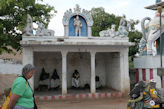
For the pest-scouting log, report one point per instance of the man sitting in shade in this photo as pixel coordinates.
(55, 80)
(98, 83)
(76, 79)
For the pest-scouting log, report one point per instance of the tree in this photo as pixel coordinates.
(13, 15)
(135, 37)
(103, 20)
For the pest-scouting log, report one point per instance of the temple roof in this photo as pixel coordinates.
(154, 7)
(100, 41)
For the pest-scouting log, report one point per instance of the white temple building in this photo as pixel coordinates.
(106, 57)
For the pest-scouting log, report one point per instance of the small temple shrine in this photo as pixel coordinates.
(78, 59)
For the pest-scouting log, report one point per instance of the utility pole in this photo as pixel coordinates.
(159, 8)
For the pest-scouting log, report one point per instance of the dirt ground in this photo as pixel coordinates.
(110, 103)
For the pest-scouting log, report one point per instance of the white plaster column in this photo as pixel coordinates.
(28, 58)
(67, 30)
(64, 30)
(124, 70)
(64, 72)
(93, 86)
(89, 31)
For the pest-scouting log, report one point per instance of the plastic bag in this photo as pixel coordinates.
(6, 103)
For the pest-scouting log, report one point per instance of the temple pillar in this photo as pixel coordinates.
(66, 27)
(64, 72)
(124, 71)
(89, 31)
(66, 30)
(28, 58)
(93, 86)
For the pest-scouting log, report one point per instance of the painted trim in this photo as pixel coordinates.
(80, 96)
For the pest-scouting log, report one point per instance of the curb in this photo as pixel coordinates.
(80, 96)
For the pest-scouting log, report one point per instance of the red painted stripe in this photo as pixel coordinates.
(117, 94)
(67, 96)
(93, 95)
(45, 97)
(87, 95)
(52, 97)
(99, 95)
(60, 97)
(74, 96)
(112, 94)
(151, 74)
(144, 74)
(137, 76)
(106, 94)
(38, 98)
(80, 96)
(122, 94)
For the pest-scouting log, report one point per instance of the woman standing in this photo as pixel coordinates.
(22, 94)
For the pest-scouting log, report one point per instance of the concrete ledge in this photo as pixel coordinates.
(54, 38)
(99, 42)
(148, 61)
(62, 40)
(80, 96)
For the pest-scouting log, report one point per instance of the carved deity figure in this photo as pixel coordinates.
(124, 27)
(144, 96)
(42, 31)
(142, 47)
(122, 30)
(28, 30)
(77, 25)
(122, 21)
(151, 30)
(112, 31)
(109, 32)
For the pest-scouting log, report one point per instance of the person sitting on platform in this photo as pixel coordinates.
(44, 80)
(76, 79)
(55, 80)
(98, 83)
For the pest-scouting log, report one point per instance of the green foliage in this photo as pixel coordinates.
(135, 37)
(13, 14)
(131, 62)
(103, 20)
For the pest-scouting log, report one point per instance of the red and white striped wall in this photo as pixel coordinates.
(147, 74)
(80, 96)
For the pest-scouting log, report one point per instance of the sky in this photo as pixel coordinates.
(133, 9)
